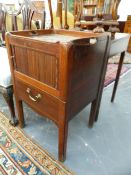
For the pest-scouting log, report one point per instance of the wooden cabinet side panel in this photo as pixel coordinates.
(86, 69)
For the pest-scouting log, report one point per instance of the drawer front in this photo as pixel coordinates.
(38, 100)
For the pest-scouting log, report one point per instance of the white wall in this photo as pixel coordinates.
(124, 9)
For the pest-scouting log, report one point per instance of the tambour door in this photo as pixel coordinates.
(37, 63)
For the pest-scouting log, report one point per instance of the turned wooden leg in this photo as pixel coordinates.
(117, 76)
(63, 132)
(20, 112)
(8, 96)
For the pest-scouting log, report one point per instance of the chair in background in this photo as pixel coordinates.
(6, 86)
(39, 13)
(88, 13)
(61, 18)
(2, 24)
(27, 15)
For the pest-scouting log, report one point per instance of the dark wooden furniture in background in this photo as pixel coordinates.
(128, 30)
(6, 86)
(90, 7)
(96, 11)
(84, 9)
(121, 26)
(57, 73)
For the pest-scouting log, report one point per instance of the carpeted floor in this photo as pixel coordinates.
(115, 59)
(20, 155)
(111, 73)
(89, 150)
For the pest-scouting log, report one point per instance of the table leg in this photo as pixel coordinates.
(118, 75)
(116, 81)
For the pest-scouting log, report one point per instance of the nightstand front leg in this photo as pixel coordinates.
(63, 133)
(8, 96)
(20, 112)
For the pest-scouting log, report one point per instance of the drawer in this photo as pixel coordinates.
(40, 101)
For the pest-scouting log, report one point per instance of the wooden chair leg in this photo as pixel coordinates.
(8, 96)
(66, 26)
(63, 133)
(51, 13)
(117, 76)
(20, 112)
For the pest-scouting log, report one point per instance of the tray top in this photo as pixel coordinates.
(54, 38)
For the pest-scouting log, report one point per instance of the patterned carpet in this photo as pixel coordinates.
(115, 59)
(20, 155)
(111, 73)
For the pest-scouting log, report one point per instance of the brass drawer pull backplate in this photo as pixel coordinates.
(33, 98)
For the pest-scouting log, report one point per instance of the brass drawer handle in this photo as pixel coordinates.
(35, 98)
